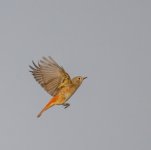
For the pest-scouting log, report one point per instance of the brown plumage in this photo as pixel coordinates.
(56, 81)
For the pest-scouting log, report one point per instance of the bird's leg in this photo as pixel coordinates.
(66, 105)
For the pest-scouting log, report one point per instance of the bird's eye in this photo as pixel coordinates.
(79, 78)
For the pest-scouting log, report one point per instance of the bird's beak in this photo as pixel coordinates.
(84, 78)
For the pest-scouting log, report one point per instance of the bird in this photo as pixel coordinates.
(55, 81)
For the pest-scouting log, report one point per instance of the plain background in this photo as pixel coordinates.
(108, 41)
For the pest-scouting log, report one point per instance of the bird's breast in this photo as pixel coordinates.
(67, 92)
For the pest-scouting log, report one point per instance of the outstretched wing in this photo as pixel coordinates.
(50, 75)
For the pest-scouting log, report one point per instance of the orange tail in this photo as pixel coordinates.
(48, 105)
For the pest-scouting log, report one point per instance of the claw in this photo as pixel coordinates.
(66, 105)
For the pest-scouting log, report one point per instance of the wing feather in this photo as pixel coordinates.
(50, 75)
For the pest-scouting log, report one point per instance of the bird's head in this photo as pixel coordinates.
(78, 80)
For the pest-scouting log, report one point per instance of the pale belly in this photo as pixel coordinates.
(66, 93)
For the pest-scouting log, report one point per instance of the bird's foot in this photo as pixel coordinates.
(66, 105)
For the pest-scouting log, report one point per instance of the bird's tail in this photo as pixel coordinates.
(48, 105)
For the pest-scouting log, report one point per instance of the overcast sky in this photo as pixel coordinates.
(107, 41)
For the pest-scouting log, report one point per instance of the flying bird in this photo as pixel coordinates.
(56, 81)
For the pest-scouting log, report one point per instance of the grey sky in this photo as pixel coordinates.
(108, 41)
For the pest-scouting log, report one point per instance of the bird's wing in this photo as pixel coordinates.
(50, 75)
